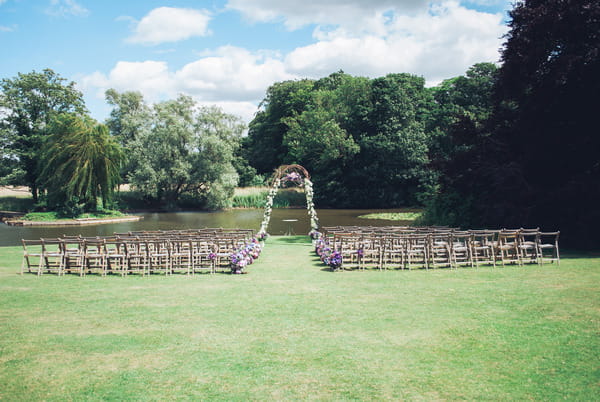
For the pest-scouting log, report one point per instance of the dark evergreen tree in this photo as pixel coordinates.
(536, 161)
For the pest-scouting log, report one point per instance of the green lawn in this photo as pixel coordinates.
(292, 330)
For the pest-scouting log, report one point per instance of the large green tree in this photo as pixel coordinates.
(81, 163)
(28, 102)
(363, 140)
(186, 152)
(459, 102)
(130, 118)
(264, 146)
(393, 162)
(469, 96)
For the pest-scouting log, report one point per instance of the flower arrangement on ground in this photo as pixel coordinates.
(328, 256)
(245, 256)
(335, 260)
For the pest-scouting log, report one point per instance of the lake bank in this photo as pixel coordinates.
(72, 222)
(238, 218)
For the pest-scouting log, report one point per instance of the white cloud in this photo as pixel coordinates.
(244, 110)
(337, 12)
(5, 28)
(437, 44)
(66, 8)
(231, 77)
(489, 3)
(231, 73)
(151, 78)
(168, 24)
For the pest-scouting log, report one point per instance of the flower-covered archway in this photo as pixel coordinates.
(290, 175)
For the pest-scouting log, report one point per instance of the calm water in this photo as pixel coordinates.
(239, 218)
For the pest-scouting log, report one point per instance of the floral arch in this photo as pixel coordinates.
(296, 175)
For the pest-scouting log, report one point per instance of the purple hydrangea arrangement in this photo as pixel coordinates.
(245, 256)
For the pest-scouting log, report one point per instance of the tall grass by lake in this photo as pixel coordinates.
(291, 329)
(256, 197)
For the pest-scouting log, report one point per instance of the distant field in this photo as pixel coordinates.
(291, 330)
(12, 191)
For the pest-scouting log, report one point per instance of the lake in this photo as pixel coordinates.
(235, 218)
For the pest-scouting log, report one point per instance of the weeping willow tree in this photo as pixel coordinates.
(81, 164)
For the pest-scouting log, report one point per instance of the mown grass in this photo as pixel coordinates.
(292, 330)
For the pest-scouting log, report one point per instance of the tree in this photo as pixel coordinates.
(363, 140)
(129, 119)
(28, 103)
(314, 137)
(81, 162)
(459, 101)
(535, 162)
(548, 95)
(392, 163)
(264, 147)
(188, 151)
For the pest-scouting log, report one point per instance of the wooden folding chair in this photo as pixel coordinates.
(461, 249)
(32, 256)
(349, 246)
(417, 251)
(371, 247)
(52, 257)
(507, 247)
(180, 250)
(116, 256)
(136, 256)
(394, 250)
(158, 256)
(440, 249)
(548, 242)
(94, 257)
(204, 256)
(482, 247)
(73, 252)
(528, 246)
(224, 246)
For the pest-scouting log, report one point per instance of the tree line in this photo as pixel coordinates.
(500, 146)
(169, 152)
(513, 146)
(369, 143)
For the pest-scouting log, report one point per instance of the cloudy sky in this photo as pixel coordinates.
(228, 52)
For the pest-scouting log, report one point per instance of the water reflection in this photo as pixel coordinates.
(238, 218)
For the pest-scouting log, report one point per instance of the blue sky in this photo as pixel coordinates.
(227, 52)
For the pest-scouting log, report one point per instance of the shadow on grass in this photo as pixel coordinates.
(292, 239)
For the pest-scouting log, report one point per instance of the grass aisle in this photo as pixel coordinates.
(292, 330)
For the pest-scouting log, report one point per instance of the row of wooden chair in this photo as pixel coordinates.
(143, 253)
(432, 247)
